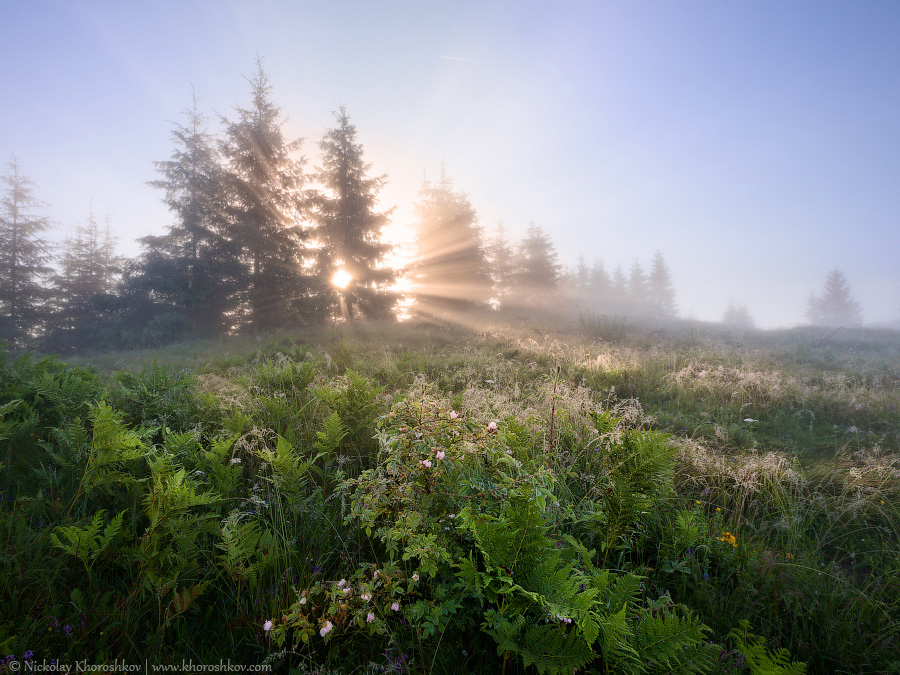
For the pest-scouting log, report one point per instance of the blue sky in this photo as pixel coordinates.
(755, 144)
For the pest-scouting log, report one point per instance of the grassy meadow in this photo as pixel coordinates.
(424, 498)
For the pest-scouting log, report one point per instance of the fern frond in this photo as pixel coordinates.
(331, 435)
(550, 648)
(761, 660)
(670, 642)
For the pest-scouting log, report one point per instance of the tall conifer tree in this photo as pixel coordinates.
(660, 290)
(537, 269)
(88, 271)
(836, 306)
(619, 303)
(501, 259)
(267, 203)
(194, 269)
(349, 227)
(637, 289)
(24, 255)
(452, 272)
(600, 289)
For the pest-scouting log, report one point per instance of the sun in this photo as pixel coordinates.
(341, 279)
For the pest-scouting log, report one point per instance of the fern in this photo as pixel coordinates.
(246, 551)
(172, 493)
(184, 600)
(672, 643)
(331, 436)
(171, 544)
(761, 660)
(87, 543)
(547, 647)
(111, 446)
(216, 461)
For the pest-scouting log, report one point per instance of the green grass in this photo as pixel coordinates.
(236, 493)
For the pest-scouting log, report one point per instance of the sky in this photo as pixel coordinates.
(755, 144)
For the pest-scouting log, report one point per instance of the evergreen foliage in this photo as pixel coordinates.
(193, 271)
(24, 255)
(349, 228)
(661, 290)
(738, 316)
(451, 273)
(836, 306)
(266, 204)
(85, 284)
(638, 297)
(537, 271)
(501, 258)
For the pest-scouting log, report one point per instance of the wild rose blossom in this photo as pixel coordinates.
(396, 606)
(267, 626)
(492, 426)
(326, 629)
(453, 415)
(440, 454)
(370, 617)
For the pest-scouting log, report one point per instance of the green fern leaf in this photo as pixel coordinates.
(761, 660)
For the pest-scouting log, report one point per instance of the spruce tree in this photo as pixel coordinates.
(351, 251)
(836, 307)
(638, 292)
(266, 206)
(451, 273)
(537, 274)
(193, 271)
(24, 255)
(579, 281)
(737, 316)
(660, 290)
(88, 271)
(599, 291)
(501, 261)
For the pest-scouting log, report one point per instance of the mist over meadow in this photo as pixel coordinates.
(261, 237)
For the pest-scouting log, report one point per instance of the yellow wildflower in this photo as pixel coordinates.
(728, 538)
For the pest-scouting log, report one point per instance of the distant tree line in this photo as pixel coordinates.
(259, 241)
